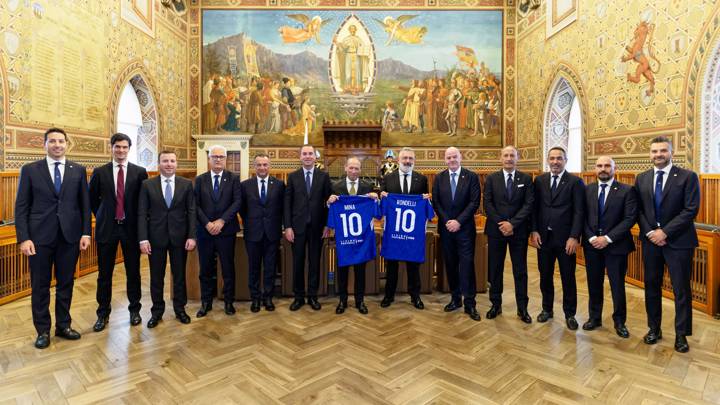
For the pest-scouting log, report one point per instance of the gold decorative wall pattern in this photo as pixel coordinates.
(115, 43)
(620, 114)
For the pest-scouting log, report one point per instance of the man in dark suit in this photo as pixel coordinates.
(305, 215)
(669, 199)
(351, 184)
(261, 210)
(114, 192)
(508, 205)
(166, 225)
(611, 212)
(557, 224)
(217, 201)
(52, 223)
(404, 181)
(456, 198)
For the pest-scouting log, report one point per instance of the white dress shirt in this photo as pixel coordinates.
(560, 175)
(607, 192)
(212, 178)
(259, 184)
(357, 184)
(402, 178)
(116, 170)
(163, 184)
(51, 167)
(665, 169)
(457, 176)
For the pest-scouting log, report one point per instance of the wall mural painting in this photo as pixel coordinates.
(638, 51)
(430, 76)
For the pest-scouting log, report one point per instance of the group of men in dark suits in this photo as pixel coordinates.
(166, 215)
(561, 212)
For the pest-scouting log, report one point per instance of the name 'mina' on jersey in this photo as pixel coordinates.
(352, 218)
(406, 217)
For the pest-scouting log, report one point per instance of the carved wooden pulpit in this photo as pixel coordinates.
(344, 139)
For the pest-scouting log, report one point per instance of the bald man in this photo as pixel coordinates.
(456, 198)
(611, 212)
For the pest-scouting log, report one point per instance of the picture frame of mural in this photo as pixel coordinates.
(559, 14)
(429, 77)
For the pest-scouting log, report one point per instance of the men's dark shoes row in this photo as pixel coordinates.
(469, 309)
(267, 303)
(299, 302)
(620, 328)
(654, 335)
(206, 307)
(103, 321)
(43, 339)
(415, 301)
(342, 305)
(496, 310)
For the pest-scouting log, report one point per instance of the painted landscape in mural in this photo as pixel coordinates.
(428, 77)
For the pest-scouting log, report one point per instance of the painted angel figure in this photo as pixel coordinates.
(311, 29)
(399, 33)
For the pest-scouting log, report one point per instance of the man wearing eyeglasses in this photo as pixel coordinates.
(217, 195)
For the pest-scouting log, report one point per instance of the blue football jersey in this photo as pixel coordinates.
(406, 217)
(352, 218)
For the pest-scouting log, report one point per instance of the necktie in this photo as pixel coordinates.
(601, 206)
(406, 187)
(453, 184)
(658, 195)
(58, 178)
(509, 187)
(263, 193)
(120, 195)
(308, 182)
(168, 193)
(216, 186)
(352, 188)
(554, 185)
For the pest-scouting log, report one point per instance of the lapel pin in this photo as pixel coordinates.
(674, 175)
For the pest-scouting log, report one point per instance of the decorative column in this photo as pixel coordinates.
(238, 147)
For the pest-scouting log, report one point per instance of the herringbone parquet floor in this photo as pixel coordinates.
(397, 356)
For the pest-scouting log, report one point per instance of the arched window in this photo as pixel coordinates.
(129, 119)
(710, 112)
(563, 124)
(574, 148)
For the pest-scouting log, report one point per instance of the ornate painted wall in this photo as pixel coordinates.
(619, 115)
(429, 156)
(64, 61)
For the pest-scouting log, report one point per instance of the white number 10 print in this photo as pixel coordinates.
(407, 221)
(351, 223)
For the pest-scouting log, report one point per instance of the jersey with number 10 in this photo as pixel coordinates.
(352, 219)
(405, 218)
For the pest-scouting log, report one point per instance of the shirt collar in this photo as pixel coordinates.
(312, 171)
(665, 169)
(562, 173)
(403, 174)
(213, 174)
(258, 178)
(116, 164)
(456, 171)
(171, 178)
(348, 181)
(609, 182)
(505, 173)
(52, 161)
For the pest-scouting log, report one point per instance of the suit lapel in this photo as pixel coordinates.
(223, 184)
(561, 183)
(612, 192)
(672, 176)
(69, 168)
(47, 176)
(462, 179)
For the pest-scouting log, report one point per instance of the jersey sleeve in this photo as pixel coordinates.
(429, 212)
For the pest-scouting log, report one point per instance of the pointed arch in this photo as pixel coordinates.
(707, 104)
(148, 136)
(564, 95)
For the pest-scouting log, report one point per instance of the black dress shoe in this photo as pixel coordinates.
(314, 303)
(182, 317)
(43, 340)
(473, 313)
(296, 304)
(386, 301)
(362, 308)
(417, 303)
(622, 331)
(153, 322)
(571, 323)
(591, 324)
(524, 316)
(67, 333)
(453, 305)
(681, 344)
(101, 323)
(341, 307)
(205, 307)
(652, 336)
(135, 318)
(544, 316)
(269, 306)
(230, 308)
(494, 311)
(255, 306)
